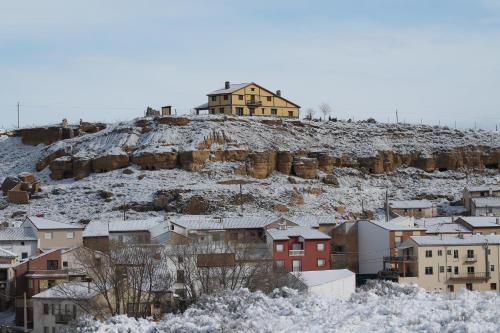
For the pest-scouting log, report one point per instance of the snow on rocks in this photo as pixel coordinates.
(380, 307)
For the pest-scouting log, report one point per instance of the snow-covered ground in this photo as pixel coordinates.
(383, 307)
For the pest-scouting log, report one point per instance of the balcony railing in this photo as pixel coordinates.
(64, 318)
(400, 258)
(254, 103)
(472, 258)
(470, 276)
(295, 253)
(395, 273)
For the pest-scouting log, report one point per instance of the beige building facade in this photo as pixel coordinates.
(249, 99)
(439, 263)
(52, 234)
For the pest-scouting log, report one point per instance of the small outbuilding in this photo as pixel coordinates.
(328, 284)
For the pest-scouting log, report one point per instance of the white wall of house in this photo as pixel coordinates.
(373, 245)
(41, 320)
(338, 289)
(20, 247)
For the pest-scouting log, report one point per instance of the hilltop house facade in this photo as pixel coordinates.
(249, 99)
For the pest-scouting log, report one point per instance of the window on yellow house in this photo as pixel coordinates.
(274, 111)
(214, 98)
(269, 98)
(240, 97)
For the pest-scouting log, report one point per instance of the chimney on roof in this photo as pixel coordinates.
(498, 220)
(461, 236)
(227, 85)
(490, 190)
(278, 92)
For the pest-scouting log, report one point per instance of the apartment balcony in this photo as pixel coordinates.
(470, 276)
(472, 258)
(394, 274)
(64, 318)
(397, 259)
(254, 103)
(296, 253)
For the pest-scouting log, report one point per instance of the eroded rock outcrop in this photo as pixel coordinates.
(261, 164)
(193, 160)
(305, 167)
(156, 160)
(110, 161)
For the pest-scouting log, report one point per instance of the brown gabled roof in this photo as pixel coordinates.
(237, 86)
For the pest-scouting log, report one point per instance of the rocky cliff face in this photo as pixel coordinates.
(258, 148)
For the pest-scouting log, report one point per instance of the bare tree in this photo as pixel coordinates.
(128, 278)
(210, 267)
(325, 109)
(309, 113)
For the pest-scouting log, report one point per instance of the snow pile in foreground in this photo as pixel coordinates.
(380, 307)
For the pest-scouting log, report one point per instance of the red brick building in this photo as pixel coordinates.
(36, 275)
(299, 248)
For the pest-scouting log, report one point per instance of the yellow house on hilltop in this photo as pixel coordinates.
(248, 99)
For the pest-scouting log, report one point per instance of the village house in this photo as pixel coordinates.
(298, 249)
(378, 239)
(36, 275)
(485, 225)
(413, 208)
(479, 192)
(7, 278)
(444, 263)
(55, 308)
(330, 284)
(98, 234)
(21, 241)
(485, 206)
(53, 234)
(238, 229)
(249, 99)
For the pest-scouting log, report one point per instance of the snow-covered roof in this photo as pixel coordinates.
(45, 224)
(304, 232)
(312, 221)
(99, 228)
(481, 221)
(398, 224)
(486, 202)
(465, 240)
(483, 188)
(232, 88)
(69, 290)
(316, 278)
(203, 106)
(6, 253)
(17, 234)
(410, 204)
(205, 222)
(442, 224)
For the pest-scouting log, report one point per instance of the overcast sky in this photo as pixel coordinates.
(435, 61)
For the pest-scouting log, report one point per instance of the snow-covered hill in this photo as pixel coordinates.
(384, 307)
(214, 186)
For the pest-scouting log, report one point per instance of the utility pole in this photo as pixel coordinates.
(17, 114)
(397, 118)
(386, 205)
(25, 314)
